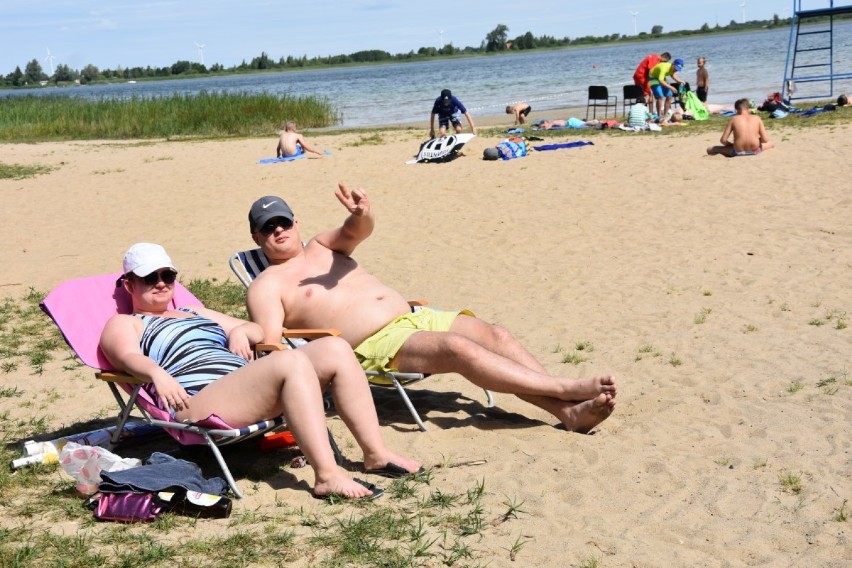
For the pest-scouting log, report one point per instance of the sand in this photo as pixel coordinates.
(698, 281)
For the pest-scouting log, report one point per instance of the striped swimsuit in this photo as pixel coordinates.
(192, 350)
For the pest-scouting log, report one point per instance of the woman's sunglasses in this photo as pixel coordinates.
(269, 227)
(167, 276)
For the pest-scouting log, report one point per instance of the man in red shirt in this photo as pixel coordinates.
(641, 75)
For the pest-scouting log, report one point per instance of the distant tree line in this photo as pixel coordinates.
(495, 41)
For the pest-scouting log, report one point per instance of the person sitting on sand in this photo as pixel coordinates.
(208, 372)
(520, 110)
(292, 143)
(320, 285)
(749, 134)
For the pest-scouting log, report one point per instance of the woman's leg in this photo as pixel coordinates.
(282, 382)
(338, 369)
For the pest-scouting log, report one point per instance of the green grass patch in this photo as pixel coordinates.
(208, 115)
(19, 171)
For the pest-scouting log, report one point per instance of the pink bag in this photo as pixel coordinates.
(127, 507)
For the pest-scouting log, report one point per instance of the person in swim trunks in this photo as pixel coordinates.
(520, 110)
(749, 134)
(320, 285)
(292, 143)
(197, 363)
(663, 89)
(449, 109)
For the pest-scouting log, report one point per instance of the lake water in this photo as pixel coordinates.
(740, 65)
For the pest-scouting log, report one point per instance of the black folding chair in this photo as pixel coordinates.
(599, 97)
(632, 94)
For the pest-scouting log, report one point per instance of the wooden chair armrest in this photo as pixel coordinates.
(308, 333)
(119, 377)
(295, 334)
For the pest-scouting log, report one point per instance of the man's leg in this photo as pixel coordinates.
(579, 404)
(490, 357)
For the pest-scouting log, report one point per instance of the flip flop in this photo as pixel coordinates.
(393, 471)
(376, 492)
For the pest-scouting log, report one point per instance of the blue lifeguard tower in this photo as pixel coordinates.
(811, 62)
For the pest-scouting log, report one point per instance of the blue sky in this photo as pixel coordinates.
(130, 33)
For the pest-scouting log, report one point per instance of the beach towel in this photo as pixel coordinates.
(438, 150)
(281, 159)
(694, 106)
(298, 156)
(577, 144)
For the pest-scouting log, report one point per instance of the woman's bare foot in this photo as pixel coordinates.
(341, 484)
(584, 416)
(587, 389)
(376, 463)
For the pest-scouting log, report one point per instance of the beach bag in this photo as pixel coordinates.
(128, 507)
(512, 148)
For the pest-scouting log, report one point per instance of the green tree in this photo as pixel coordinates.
(64, 73)
(33, 72)
(657, 30)
(89, 74)
(495, 40)
(16, 77)
(705, 28)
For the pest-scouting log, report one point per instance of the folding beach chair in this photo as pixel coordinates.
(599, 97)
(246, 265)
(81, 308)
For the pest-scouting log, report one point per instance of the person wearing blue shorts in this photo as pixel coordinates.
(661, 88)
(448, 109)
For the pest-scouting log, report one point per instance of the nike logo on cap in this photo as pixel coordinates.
(265, 205)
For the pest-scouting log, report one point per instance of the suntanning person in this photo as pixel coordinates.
(196, 361)
(749, 134)
(321, 285)
(292, 143)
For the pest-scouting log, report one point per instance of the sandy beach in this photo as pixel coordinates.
(717, 291)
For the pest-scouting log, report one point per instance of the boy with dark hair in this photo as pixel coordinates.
(449, 110)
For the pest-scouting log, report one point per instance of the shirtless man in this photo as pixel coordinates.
(749, 134)
(520, 110)
(320, 285)
(292, 143)
(702, 80)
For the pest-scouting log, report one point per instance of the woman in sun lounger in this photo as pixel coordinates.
(197, 363)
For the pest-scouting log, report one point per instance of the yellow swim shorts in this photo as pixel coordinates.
(376, 352)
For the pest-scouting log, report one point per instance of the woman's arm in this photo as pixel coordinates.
(242, 334)
(120, 344)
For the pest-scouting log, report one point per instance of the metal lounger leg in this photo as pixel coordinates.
(410, 406)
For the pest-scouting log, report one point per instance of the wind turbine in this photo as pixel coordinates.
(634, 14)
(441, 36)
(49, 60)
(743, 6)
(200, 47)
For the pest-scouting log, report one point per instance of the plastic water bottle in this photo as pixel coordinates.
(196, 504)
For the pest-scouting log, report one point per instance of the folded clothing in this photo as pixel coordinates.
(161, 472)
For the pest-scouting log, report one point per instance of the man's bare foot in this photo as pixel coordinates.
(584, 416)
(587, 389)
(377, 463)
(341, 484)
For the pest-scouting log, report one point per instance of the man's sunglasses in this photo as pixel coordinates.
(269, 227)
(167, 276)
